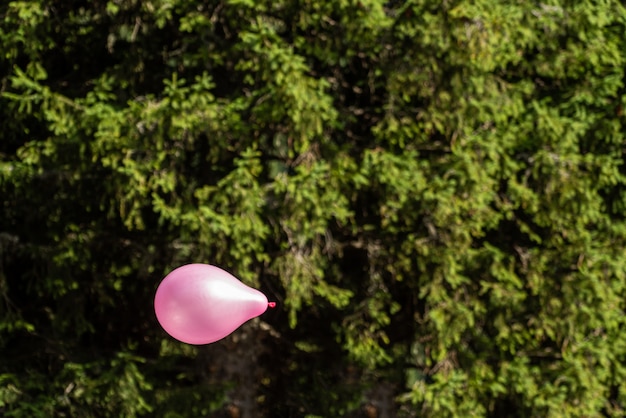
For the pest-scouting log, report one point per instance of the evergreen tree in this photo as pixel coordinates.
(434, 193)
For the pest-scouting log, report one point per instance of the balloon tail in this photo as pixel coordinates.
(271, 304)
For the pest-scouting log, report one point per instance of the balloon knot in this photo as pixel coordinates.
(271, 304)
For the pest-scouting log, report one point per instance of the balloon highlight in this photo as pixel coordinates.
(200, 303)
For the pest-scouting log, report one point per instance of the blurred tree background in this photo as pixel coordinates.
(433, 192)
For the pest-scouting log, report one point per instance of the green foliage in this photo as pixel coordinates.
(433, 192)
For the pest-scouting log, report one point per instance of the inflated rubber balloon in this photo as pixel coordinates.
(200, 303)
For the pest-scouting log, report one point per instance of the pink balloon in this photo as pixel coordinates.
(200, 303)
